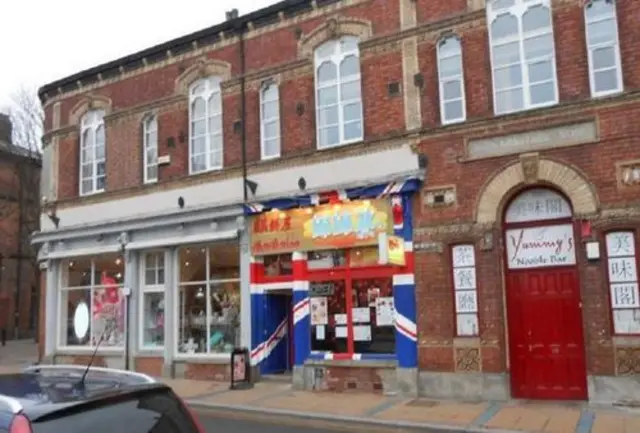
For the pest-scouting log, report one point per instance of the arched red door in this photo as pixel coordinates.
(544, 310)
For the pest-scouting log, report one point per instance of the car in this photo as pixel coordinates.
(85, 399)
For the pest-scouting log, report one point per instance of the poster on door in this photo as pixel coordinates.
(538, 247)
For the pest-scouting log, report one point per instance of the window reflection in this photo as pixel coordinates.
(209, 299)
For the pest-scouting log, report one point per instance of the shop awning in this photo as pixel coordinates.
(182, 240)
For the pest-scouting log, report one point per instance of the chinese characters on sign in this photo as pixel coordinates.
(623, 281)
(349, 224)
(464, 285)
(541, 247)
(538, 204)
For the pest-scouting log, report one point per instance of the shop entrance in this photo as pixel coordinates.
(278, 326)
(546, 343)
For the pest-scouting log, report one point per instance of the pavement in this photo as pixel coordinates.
(273, 401)
(277, 402)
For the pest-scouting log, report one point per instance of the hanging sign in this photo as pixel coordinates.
(539, 247)
(329, 226)
(390, 250)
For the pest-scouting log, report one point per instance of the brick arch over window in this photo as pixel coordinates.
(334, 28)
(201, 69)
(531, 170)
(86, 104)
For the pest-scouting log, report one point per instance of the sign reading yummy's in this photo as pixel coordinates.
(344, 225)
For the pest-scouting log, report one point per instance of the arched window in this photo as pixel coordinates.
(451, 80)
(522, 48)
(150, 139)
(205, 130)
(92, 153)
(269, 121)
(338, 93)
(603, 48)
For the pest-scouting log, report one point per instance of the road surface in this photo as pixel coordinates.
(230, 422)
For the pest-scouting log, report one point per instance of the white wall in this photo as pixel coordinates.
(372, 167)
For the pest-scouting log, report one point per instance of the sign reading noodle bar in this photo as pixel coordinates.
(344, 225)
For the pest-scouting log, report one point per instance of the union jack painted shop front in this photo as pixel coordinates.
(332, 288)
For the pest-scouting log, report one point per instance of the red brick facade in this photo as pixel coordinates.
(385, 27)
(19, 215)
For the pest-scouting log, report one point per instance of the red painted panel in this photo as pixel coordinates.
(546, 339)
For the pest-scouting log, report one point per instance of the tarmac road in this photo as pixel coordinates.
(232, 422)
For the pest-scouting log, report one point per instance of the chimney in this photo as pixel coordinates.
(5, 129)
(232, 14)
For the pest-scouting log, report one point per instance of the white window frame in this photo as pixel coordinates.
(336, 58)
(90, 123)
(518, 9)
(442, 80)
(270, 85)
(211, 89)
(149, 127)
(148, 289)
(64, 287)
(178, 305)
(614, 43)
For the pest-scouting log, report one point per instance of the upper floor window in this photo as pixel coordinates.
(92, 153)
(338, 92)
(270, 121)
(150, 138)
(451, 78)
(522, 54)
(605, 69)
(205, 132)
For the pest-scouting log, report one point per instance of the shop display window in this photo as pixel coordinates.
(209, 299)
(153, 305)
(278, 265)
(92, 304)
(351, 302)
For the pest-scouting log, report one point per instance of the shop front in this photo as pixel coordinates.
(160, 296)
(332, 289)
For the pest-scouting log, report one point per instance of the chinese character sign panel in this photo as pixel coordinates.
(330, 226)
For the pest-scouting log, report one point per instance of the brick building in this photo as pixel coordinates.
(19, 217)
(432, 197)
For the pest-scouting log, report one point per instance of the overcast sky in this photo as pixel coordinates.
(44, 40)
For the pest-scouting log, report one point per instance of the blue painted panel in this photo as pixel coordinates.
(276, 350)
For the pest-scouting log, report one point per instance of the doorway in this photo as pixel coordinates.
(544, 312)
(278, 325)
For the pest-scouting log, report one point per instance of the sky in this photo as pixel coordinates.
(44, 40)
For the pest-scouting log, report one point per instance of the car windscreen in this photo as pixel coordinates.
(159, 411)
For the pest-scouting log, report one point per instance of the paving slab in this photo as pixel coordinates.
(429, 411)
(186, 388)
(536, 418)
(248, 396)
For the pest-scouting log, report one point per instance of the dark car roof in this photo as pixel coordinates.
(39, 395)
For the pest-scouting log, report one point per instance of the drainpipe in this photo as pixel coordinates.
(19, 258)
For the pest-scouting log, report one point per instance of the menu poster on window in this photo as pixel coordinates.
(319, 313)
(341, 332)
(340, 319)
(320, 332)
(361, 315)
(362, 333)
(385, 311)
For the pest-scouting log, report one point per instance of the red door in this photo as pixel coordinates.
(545, 334)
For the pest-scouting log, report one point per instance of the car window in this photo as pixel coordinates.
(157, 412)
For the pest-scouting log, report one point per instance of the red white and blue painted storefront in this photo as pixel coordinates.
(272, 318)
